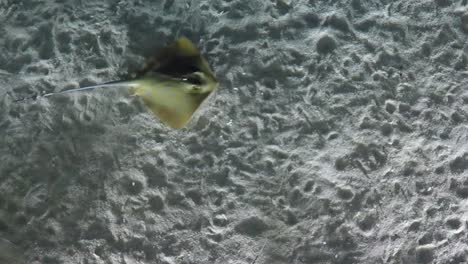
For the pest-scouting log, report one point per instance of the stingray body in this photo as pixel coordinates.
(173, 84)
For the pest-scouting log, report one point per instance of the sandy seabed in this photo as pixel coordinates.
(339, 134)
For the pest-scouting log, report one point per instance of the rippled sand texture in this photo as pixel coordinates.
(339, 134)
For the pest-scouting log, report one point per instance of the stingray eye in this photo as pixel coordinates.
(193, 79)
(195, 89)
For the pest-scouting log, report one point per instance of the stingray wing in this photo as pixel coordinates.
(176, 60)
(169, 101)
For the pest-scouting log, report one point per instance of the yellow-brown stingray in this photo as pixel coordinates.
(173, 84)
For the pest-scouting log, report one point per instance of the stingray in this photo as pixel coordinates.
(173, 83)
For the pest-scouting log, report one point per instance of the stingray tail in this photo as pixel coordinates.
(113, 84)
(10, 253)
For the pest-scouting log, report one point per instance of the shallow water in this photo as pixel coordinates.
(337, 135)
